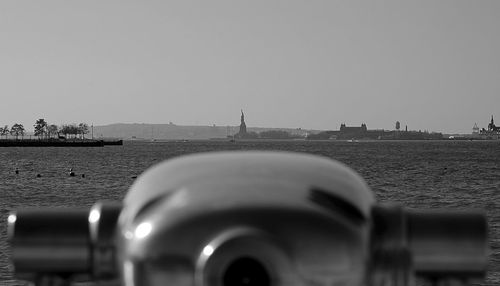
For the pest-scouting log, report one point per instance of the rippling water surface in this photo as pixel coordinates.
(415, 174)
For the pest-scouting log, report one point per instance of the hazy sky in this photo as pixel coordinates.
(432, 65)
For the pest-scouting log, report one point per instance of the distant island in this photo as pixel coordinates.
(171, 131)
(363, 133)
(158, 132)
(45, 134)
(51, 135)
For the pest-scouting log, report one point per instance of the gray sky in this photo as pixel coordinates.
(432, 65)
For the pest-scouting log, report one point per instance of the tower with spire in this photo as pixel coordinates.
(491, 126)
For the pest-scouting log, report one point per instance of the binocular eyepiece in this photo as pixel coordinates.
(244, 219)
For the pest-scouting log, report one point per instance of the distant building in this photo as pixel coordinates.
(349, 132)
(492, 127)
(346, 129)
(493, 132)
(475, 130)
(363, 133)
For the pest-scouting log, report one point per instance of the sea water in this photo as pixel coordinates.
(418, 174)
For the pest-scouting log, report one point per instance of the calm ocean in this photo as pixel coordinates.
(415, 174)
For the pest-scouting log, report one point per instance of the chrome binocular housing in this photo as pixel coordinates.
(249, 218)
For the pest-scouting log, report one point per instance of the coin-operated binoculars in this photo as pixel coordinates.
(244, 219)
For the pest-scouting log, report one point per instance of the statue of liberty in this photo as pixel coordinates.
(243, 126)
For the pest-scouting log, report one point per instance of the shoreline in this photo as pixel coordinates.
(307, 140)
(58, 143)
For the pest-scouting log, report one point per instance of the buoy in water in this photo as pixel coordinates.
(71, 173)
(17, 171)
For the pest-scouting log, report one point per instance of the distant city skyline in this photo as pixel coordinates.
(29, 128)
(431, 65)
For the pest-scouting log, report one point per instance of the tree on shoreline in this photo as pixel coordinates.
(40, 127)
(65, 130)
(83, 129)
(4, 131)
(16, 130)
(44, 130)
(71, 129)
(52, 130)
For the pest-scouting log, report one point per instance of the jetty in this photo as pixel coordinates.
(57, 143)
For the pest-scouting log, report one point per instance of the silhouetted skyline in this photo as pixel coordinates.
(431, 65)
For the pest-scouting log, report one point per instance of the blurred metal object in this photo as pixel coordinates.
(249, 218)
(450, 244)
(52, 241)
(102, 220)
(440, 246)
(391, 259)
